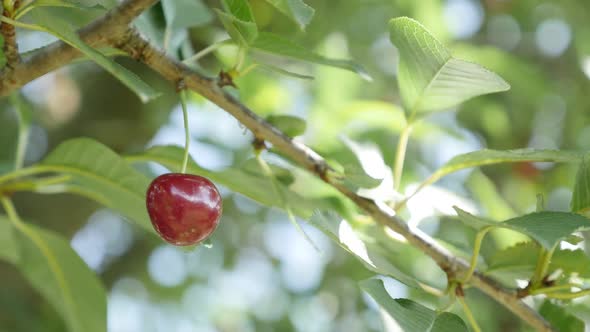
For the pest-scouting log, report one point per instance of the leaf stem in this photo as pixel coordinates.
(23, 131)
(551, 289)
(469, 315)
(23, 25)
(568, 296)
(281, 197)
(167, 36)
(248, 69)
(544, 255)
(476, 247)
(11, 212)
(187, 134)
(24, 8)
(241, 58)
(34, 184)
(400, 155)
(450, 292)
(211, 48)
(22, 172)
(542, 267)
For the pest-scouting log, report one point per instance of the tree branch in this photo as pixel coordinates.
(174, 71)
(8, 32)
(112, 29)
(105, 30)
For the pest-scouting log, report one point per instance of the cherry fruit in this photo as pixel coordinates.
(184, 208)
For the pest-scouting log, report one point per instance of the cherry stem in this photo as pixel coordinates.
(469, 315)
(187, 135)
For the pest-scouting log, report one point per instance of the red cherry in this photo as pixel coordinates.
(184, 208)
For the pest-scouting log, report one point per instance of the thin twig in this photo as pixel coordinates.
(104, 31)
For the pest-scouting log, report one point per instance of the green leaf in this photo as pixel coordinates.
(24, 111)
(291, 126)
(78, 4)
(527, 78)
(181, 14)
(285, 72)
(549, 227)
(545, 227)
(448, 322)
(284, 175)
(8, 242)
(238, 21)
(369, 254)
(277, 45)
(70, 3)
(581, 196)
(571, 262)
(296, 10)
(489, 157)
(2, 56)
(242, 32)
(56, 26)
(486, 193)
(430, 79)
(106, 51)
(240, 9)
(574, 239)
(256, 186)
(522, 257)
(412, 316)
(53, 268)
(560, 318)
(356, 178)
(100, 174)
(474, 222)
(361, 173)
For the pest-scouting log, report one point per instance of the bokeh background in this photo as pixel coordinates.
(257, 273)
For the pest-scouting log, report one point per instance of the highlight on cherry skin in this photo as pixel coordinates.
(184, 208)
